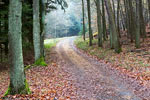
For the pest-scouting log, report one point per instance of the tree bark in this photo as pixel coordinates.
(118, 19)
(36, 29)
(113, 7)
(113, 27)
(89, 21)
(123, 18)
(99, 26)
(104, 21)
(126, 17)
(0, 24)
(137, 38)
(131, 20)
(149, 8)
(17, 74)
(142, 22)
(42, 26)
(83, 20)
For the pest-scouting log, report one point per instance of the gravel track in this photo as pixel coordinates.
(94, 79)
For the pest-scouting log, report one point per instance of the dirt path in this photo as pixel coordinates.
(94, 80)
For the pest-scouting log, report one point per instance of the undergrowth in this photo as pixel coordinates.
(40, 62)
(126, 59)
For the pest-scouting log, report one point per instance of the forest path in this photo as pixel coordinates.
(93, 79)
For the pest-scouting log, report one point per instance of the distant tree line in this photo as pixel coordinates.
(69, 25)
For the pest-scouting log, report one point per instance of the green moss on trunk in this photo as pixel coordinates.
(40, 62)
(22, 90)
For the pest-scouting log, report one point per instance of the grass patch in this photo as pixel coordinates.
(40, 62)
(126, 59)
(93, 50)
(27, 67)
(49, 43)
(27, 87)
(48, 46)
(7, 92)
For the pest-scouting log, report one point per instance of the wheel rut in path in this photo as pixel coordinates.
(94, 80)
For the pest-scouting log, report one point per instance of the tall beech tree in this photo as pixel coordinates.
(118, 17)
(18, 84)
(89, 22)
(104, 21)
(83, 14)
(149, 8)
(142, 21)
(113, 27)
(36, 29)
(99, 24)
(42, 15)
(131, 19)
(137, 38)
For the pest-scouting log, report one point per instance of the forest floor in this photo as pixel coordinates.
(46, 83)
(132, 61)
(73, 74)
(95, 79)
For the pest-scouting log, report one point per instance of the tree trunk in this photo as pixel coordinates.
(123, 18)
(142, 22)
(42, 26)
(18, 83)
(36, 30)
(137, 38)
(113, 7)
(89, 21)
(131, 20)
(0, 24)
(83, 20)
(114, 31)
(99, 26)
(149, 8)
(127, 17)
(118, 15)
(104, 21)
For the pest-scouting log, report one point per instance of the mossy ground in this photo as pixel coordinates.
(27, 67)
(40, 62)
(48, 44)
(126, 59)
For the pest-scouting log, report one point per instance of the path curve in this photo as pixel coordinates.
(94, 80)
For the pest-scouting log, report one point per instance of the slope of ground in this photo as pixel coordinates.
(94, 79)
(46, 83)
(132, 61)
